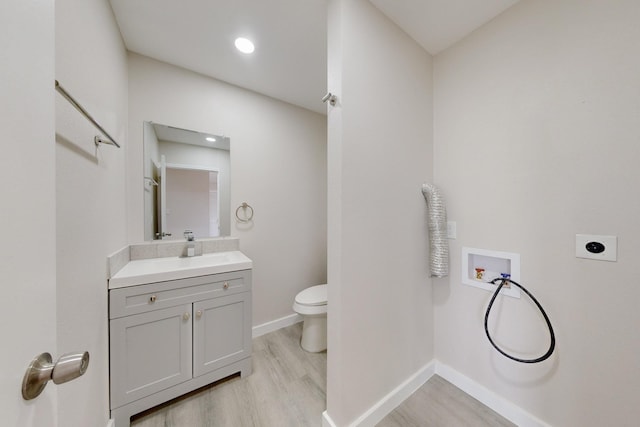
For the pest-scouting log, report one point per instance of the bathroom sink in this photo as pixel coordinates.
(161, 269)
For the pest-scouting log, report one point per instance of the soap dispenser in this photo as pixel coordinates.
(191, 244)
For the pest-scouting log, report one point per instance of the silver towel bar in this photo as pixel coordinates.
(152, 182)
(331, 98)
(80, 108)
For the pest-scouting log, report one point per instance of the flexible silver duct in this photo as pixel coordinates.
(437, 222)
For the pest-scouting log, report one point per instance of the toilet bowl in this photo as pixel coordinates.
(311, 303)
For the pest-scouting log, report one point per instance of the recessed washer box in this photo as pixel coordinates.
(480, 266)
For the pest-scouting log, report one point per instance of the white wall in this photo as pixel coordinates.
(536, 139)
(90, 195)
(278, 166)
(380, 153)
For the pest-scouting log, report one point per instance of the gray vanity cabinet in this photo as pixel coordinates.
(169, 338)
(217, 328)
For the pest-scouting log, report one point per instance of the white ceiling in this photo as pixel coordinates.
(186, 136)
(438, 24)
(290, 60)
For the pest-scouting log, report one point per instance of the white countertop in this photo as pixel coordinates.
(152, 270)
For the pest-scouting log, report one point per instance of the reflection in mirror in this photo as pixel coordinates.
(186, 183)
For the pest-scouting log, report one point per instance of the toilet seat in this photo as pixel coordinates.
(315, 295)
(311, 301)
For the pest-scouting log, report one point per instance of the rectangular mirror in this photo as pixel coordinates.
(186, 183)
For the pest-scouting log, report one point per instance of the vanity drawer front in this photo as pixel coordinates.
(155, 296)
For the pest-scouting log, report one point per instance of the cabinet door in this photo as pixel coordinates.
(221, 332)
(149, 353)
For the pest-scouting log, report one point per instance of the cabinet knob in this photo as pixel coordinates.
(199, 314)
(186, 316)
(152, 299)
(226, 285)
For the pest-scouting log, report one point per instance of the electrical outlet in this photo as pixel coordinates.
(591, 246)
(451, 229)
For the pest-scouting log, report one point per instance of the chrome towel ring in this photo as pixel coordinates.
(247, 217)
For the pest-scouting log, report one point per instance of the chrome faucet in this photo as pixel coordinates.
(191, 244)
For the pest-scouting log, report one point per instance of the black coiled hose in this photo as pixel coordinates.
(544, 314)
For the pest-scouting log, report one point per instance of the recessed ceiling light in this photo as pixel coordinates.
(210, 139)
(244, 45)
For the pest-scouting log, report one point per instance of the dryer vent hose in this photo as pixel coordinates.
(437, 223)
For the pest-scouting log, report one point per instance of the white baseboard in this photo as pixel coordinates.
(327, 421)
(383, 407)
(274, 325)
(398, 395)
(111, 423)
(510, 411)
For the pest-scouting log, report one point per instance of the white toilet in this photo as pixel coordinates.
(312, 304)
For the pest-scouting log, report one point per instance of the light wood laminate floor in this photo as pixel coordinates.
(438, 403)
(287, 388)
